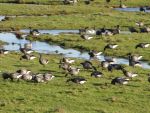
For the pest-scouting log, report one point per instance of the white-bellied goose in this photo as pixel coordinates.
(96, 74)
(78, 80)
(34, 32)
(109, 59)
(27, 57)
(142, 45)
(110, 46)
(3, 51)
(94, 53)
(66, 60)
(48, 77)
(119, 80)
(25, 50)
(129, 74)
(86, 37)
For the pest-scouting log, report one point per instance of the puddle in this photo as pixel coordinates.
(43, 47)
(134, 9)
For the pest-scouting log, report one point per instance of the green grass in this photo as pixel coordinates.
(57, 96)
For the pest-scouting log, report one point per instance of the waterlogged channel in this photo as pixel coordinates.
(131, 9)
(43, 47)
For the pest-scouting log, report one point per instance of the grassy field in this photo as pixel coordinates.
(57, 96)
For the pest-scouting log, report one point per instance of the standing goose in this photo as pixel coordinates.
(115, 66)
(78, 80)
(129, 74)
(3, 51)
(43, 61)
(110, 46)
(109, 59)
(72, 71)
(142, 9)
(135, 58)
(48, 77)
(142, 45)
(120, 80)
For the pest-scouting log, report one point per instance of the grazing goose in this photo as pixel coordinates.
(78, 80)
(142, 45)
(97, 74)
(110, 46)
(145, 30)
(72, 71)
(142, 9)
(48, 76)
(6, 76)
(27, 57)
(3, 51)
(34, 32)
(87, 65)
(111, 60)
(15, 76)
(114, 66)
(66, 60)
(129, 74)
(25, 50)
(43, 61)
(120, 80)
(133, 30)
(94, 53)
(86, 37)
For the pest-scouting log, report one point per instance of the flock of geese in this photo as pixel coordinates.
(66, 64)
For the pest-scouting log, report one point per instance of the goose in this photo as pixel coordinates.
(109, 59)
(145, 30)
(110, 32)
(110, 46)
(135, 57)
(142, 9)
(140, 24)
(123, 6)
(129, 74)
(64, 66)
(38, 78)
(78, 80)
(27, 57)
(48, 76)
(72, 71)
(34, 32)
(27, 77)
(133, 30)
(3, 51)
(104, 64)
(97, 74)
(114, 66)
(25, 50)
(120, 80)
(147, 7)
(43, 61)
(94, 53)
(67, 60)
(90, 31)
(28, 46)
(87, 65)
(86, 37)
(142, 45)
(23, 71)
(15, 76)
(132, 62)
